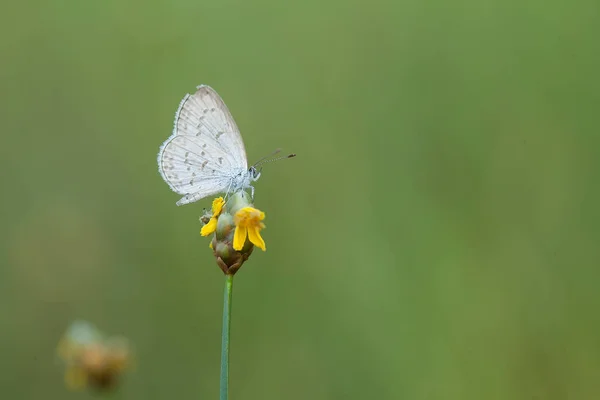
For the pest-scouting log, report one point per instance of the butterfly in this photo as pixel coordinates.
(205, 155)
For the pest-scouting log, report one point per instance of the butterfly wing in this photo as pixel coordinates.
(195, 167)
(205, 150)
(205, 114)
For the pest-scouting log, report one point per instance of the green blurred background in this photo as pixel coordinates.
(436, 237)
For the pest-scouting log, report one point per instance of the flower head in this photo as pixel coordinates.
(236, 226)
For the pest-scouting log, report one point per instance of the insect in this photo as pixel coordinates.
(205, 154)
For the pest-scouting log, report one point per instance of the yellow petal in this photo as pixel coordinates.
(75, 378)
(209, 228)
(217, 206)
(255, 238)
(210, 244)
(239, 237)
(250, 214)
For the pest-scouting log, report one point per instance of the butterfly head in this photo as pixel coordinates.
(254, 173)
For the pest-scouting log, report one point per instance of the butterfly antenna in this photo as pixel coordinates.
(267, 156)
(264, 159)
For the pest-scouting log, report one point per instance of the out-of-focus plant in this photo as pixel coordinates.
(93, 359)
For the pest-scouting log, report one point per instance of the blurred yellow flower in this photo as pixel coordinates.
(248, 223)
(92, 359)
(211, 226)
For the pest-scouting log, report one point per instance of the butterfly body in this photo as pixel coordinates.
(205, 154)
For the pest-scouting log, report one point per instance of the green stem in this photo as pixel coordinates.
(225, 337)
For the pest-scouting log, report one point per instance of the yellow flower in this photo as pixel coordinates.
(248, 224)
(217, 207)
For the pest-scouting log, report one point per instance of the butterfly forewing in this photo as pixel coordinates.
(205, 114)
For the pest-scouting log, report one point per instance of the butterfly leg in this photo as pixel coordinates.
(228, 189)
(252, 193)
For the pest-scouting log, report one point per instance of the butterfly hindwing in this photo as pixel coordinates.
(191, 164)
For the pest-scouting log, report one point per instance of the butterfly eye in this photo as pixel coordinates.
(254, 174)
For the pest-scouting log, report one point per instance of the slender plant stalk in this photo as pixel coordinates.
(225, 337)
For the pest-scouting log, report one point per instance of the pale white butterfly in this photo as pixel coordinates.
(205, 155)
